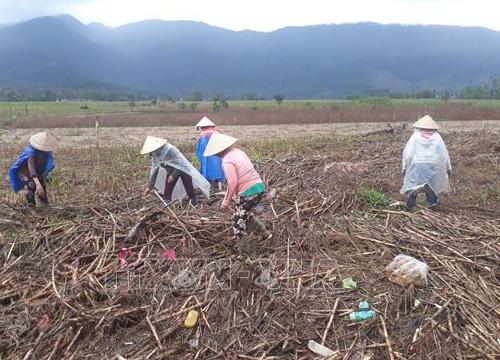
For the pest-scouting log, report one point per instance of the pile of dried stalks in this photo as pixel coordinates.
(65, 293)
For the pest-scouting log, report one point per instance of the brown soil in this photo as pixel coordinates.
(264, 116)
(64, 294)
(178, 134)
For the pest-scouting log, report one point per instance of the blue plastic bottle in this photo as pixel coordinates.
(362, 315)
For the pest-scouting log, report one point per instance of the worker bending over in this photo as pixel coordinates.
(244, 186)
(32, 168)
(167, 156)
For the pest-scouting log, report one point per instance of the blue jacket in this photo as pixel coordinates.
(15, 179)
(211, 166)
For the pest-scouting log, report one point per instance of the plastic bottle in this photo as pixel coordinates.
(363, 305)
(362, 315)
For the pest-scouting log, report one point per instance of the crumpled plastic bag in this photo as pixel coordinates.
(349, 283)
(405, 270)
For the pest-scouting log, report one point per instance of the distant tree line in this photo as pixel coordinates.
(488, 91)
(12, 93)
(491, 90)
(421, 94)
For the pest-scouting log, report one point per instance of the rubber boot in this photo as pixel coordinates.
(411, 200)
(430, 196)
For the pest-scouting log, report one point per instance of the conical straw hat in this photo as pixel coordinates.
(205, 122)
(217, 143)
(426, 122)
(151, 144)
(44, 141)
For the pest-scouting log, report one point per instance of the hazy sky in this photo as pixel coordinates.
(263, 15)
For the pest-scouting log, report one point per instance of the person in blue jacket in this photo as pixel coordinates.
(32, 168)
(210, 166)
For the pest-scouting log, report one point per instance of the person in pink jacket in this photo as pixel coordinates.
(244, 184)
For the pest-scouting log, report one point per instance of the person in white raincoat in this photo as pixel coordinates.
(426, 164)
(168, 157)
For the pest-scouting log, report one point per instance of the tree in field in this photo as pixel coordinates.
(197, 96)
(216, 105)
(193, 106)
(218, 102)
(279, 98)
(495, 87)
(445, 96)
(169, 99)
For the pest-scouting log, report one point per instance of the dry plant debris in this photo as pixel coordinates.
(64, 293)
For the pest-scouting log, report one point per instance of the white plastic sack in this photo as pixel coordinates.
(426, 161)
(171, 156)
(405, 270)
(321, 350)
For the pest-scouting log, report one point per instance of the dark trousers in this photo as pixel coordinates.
(243, 212)
(187, 181)
(30, 195)
(430, 196)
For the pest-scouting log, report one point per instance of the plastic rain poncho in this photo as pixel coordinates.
(171, 156)
(426, 160)
(15, 180)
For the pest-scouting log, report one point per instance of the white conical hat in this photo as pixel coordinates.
(205, 122)
(426, 122)
(44, 141)
(217, 143)
(151, 144)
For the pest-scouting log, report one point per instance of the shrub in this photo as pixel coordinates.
(279, 98)
(374, 198)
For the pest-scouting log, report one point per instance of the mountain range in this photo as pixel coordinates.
(180, 57)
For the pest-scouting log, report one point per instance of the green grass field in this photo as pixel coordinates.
(22, 109)
(69, 107)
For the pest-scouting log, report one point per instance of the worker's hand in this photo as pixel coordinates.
(40, 192)
(170, 179)
(37, 182)
(449, 172)
(404, 172)
(226, 208)
(147, 191)
(39, 188)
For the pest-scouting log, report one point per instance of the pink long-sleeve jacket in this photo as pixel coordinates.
(240, 174)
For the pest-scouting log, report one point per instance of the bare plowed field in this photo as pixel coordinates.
(84, 137)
